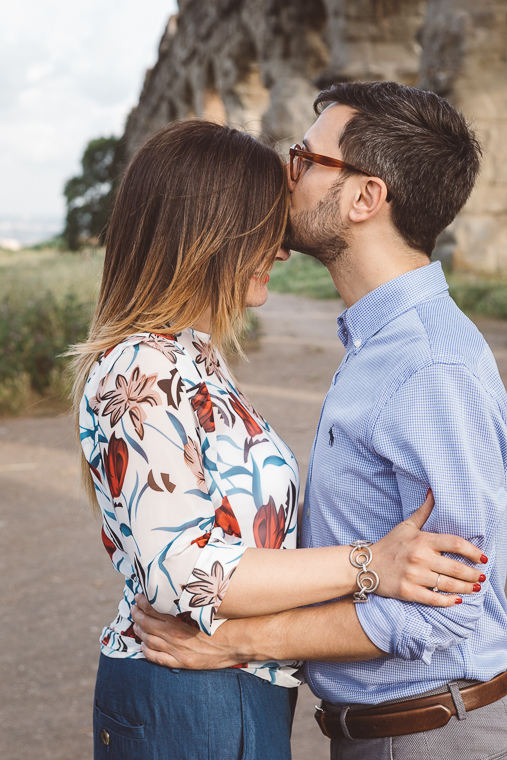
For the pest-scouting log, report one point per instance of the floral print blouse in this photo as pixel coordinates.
(187, 475)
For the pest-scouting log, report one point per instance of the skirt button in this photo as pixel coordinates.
(104, 735)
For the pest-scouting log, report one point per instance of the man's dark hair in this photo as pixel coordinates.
(418, 143)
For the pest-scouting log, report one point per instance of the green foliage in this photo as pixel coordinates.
(253, 328)
(303, 276)
(32, 338)
(486, 297)
(56, 243)
(26, 274)
(90, 196)
(46, 302)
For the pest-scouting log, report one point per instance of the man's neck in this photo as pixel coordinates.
(357, 273)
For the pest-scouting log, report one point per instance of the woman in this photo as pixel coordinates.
(195, 489)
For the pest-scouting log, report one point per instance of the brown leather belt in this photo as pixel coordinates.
(411, 716)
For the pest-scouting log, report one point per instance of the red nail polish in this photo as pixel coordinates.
(458, 600)
(484, 559)
(477, 586)
(427, 493)
(482, 578)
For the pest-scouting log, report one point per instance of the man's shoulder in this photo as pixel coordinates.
(452, 337)
(432, 342)
(437, 332)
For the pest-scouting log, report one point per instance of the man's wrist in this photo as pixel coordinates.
(254, 639)
(329, 632)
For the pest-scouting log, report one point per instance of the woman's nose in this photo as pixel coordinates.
(283, 254)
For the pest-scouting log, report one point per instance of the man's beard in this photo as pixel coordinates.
(319, 233)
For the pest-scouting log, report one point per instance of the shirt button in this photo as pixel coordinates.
(104, 735)
(308, 512)
(357, 342)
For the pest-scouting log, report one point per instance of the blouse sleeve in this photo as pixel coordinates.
(158, 480)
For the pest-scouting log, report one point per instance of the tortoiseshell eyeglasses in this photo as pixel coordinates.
(298, 156)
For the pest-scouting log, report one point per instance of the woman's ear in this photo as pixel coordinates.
(369, 197)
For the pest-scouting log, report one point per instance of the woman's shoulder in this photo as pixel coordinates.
(140, 368)
(188, 354)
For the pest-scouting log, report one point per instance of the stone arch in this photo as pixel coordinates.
(188, 100)
(295, 51)
(164, 113)
(295, 36)
(211, 105)
(244, 94)
(171, 110)
(315, 22)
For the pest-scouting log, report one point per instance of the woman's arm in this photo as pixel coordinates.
(150, 475)
(407, 561)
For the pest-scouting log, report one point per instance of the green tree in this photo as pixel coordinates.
(90, 196)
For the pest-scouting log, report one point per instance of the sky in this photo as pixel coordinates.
(70, 71)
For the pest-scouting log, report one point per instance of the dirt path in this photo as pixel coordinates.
(58, 586)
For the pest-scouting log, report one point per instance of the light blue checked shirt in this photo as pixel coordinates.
(416, 402)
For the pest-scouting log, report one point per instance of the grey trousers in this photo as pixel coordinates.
(482, 735)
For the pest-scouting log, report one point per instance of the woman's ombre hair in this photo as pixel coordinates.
(201, 209)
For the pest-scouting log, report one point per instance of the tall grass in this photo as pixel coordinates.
(46, 302)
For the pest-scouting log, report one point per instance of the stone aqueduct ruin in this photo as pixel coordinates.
(260, 63)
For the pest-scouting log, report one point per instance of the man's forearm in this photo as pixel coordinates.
(328, 632)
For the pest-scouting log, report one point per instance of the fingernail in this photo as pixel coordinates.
(482, 578)
(484, 559)
(458, 600)
(428, 492)
(477, 586)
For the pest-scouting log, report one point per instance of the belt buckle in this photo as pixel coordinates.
(319, 717)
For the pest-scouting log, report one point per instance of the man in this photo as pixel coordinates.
(417, 402)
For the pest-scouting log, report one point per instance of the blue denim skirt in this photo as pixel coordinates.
(147, 712)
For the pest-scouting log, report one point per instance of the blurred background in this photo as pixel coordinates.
(68, 73)
(82, 86)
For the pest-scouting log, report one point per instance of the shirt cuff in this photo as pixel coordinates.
(202, 595)
(389, 625)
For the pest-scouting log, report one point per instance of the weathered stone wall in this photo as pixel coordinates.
(465, 59)
(260, 63)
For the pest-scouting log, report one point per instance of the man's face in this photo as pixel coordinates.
(315, 223)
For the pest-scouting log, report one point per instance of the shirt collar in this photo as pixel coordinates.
(379, 307)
